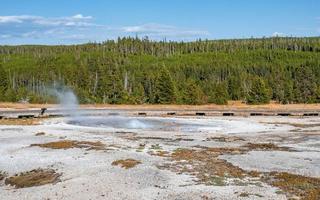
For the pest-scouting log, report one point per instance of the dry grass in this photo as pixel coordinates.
(265, 147)
(231, 105)
(159, 153)
(205, 165)
(33, 178)
(23, 122)
(68, 144)
(306, 188)
(8, 105)
(127, 163)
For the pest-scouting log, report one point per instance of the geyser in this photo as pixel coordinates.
(145, 123)
(68, 101)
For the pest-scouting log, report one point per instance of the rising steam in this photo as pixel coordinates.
(68, 101)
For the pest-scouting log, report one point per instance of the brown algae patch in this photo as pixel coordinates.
(306, 188)
(68, 144)
(32, 178)
(22, 122)
(265, 147)
(159, 153)
(205, 165)
(40, 134)
(127, 163)
(225, 139)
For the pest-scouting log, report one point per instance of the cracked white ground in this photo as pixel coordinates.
(89, 174)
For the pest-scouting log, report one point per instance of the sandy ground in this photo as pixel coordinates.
(89, 174)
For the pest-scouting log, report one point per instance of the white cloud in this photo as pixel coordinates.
(278, 34)
(76, 20)
(80, 16)
(80, 28)
(153, 29)
(16, 19)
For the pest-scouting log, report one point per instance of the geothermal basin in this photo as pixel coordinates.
(98, 155)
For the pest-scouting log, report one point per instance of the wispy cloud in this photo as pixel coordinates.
(81, 28)
(159, 30)
(76, 20)
(278, 34)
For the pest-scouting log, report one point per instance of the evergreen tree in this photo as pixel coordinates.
(259, 93)
(165, 88)
(3, 83)
(193, 94)
(138, 94)
(112, 71)
(318, 95)
(304, 86)
(235, 88)
(219, 94)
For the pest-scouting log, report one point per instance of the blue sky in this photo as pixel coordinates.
(79, 21)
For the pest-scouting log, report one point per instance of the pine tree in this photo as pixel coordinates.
(138, 94)
(165, 88)
(219, 94)
(193, 94)
(304, 86)
(259, 93)
(3, 83)
(234, 88)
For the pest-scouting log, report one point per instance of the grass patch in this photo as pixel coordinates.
(127, 163)
(68, 144)
(32, 178)
(217, 181)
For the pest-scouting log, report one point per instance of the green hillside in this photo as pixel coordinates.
(136, 71)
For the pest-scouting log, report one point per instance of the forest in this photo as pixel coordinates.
(135, 70)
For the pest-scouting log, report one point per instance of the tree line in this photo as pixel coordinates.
(138, 70)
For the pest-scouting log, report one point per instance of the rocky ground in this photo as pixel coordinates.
(226, 158)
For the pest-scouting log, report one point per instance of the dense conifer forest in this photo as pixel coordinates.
(138, 71)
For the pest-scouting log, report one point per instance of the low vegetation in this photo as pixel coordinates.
(306, 188)
(265, 146)
(204, 164)
(68, 144)
(32, 178)
(23, 122)
(127, 163)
